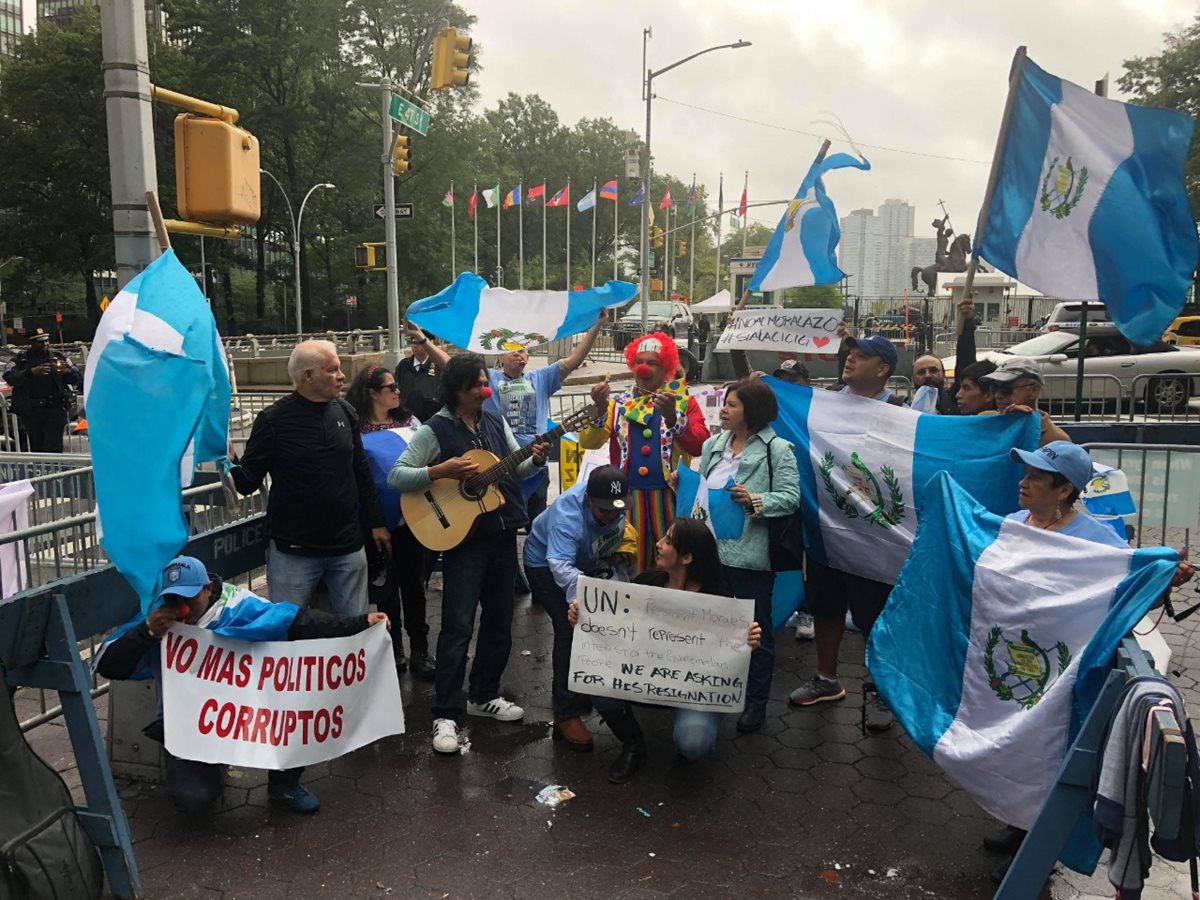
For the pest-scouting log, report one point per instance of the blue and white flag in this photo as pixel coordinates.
(997, 639)
(1090, 203)
(803, 250)
(383, 448)
(157, 394)
(864, 465)
(587, 201)
(483, 319)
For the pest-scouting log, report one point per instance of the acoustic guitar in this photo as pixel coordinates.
(444, 514)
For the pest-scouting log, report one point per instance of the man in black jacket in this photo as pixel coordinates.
(195, 597)
(43, 384)
(322, 493)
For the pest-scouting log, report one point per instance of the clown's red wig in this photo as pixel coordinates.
(668, 352)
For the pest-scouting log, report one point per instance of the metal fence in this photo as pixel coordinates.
(69, 545)
(1164, 483)
(945, 342)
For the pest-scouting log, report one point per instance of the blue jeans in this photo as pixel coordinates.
(295, 578)
(759, 585)
(695, 732)
(477, 574)
(196, 786)
(550, 597)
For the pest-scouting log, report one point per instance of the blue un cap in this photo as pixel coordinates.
(184, 576)
(1069, 460)
(878, 345)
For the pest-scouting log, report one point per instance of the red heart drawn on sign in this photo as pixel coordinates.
(820, 342)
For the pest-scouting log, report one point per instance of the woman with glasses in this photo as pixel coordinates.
(399, 584)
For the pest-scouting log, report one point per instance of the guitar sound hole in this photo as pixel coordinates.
(471, 489)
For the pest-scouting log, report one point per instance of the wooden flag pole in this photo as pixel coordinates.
(156, 216)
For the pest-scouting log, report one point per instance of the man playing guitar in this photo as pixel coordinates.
(480, 572)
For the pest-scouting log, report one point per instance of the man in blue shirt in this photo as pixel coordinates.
(576, 536)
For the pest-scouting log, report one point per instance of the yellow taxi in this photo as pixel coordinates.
(1184, 331)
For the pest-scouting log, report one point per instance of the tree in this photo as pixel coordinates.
(1170, 80)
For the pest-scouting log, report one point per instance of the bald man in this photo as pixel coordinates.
(928, 369)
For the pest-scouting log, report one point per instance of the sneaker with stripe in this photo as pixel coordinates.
(499, 709)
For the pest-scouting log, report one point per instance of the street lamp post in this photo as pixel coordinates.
(651, 74)
(297, 221)
(3, 266)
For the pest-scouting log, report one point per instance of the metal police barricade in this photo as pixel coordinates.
(1166, 397)
(1103, 396)
(40, 634)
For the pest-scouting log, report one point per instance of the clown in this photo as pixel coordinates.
(649, 430)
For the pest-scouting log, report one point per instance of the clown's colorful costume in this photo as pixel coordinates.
(645, 448)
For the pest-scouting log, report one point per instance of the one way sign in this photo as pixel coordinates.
(403, 211)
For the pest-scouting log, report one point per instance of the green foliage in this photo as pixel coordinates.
(1170, 80)
(820, 296)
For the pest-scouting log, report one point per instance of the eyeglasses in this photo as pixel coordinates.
(390, 387)
(1004, 388)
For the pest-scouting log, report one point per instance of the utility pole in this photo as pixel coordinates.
(392, 357)
(130, 134)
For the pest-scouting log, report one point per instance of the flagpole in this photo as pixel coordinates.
(669, 250)
(521, 236)
(453, 266)
(692, 245)
(568, 232)
(499, 267)
(993, 177)
(475, 219)
(616, 234)
(720, 216)
(545, 212)
(745, 189)
(595, 209)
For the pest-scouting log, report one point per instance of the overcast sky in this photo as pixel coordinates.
(914, 75)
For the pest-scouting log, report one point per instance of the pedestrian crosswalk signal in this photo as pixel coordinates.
(400, 155)
(371, 257)
(657, 241)
(451, 60)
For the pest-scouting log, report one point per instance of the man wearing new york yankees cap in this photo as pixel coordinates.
(576, 535)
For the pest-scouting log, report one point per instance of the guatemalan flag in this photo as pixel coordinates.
(803, 250)
(864, 465)
(157, 393)
(1090, 202)
(383, 448)
(483, 319)
(996, 641)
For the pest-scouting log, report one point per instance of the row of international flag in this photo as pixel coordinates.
(608, 191)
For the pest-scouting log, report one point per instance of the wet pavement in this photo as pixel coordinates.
(807, 807)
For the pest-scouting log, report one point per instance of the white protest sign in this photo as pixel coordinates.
(656, 645)
(277, 704)
(804, 330)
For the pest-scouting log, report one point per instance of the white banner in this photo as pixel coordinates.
(801, 330)
(277, 704)
(14, 516)
(656, 645)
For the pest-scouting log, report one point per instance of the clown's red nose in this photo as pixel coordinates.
(485, 392)
(181, 611)
(643, 371)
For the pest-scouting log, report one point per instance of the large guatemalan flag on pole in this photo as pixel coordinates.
(1090, 203)
(864, 465)
(996, 641)
(483, 319)
(803, 250)
(157, 394)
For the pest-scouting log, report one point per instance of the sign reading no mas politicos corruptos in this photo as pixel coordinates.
(277, 704)
(656, 645)
(799, 330)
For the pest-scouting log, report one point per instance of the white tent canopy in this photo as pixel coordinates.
(718, 302)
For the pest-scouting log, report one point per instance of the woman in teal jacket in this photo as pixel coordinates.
(735, 462)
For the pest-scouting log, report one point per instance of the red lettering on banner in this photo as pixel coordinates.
(288, 731)
(305, 716)
(243, 675)
(259, 734)
(268, 667)
(241, 731)
(209, 707)
(226, 674)
(321, 725)
(181, 653)
(210, 663)
(362, 664)
(225, 720)
(337, 722)
(335, 682)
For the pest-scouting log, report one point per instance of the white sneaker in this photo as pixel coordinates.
(445, 735)
(496, 709)
(804, 627)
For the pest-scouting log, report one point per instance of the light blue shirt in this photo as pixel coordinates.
(524, 402)
(882, 395)
(1080, 526)
(568, 540)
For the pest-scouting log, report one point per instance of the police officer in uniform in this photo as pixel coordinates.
(43, 383)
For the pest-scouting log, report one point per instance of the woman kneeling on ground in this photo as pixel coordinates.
(687, 561)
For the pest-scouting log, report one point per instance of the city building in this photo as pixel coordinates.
(879, 249)
(11, 25)
(60, 12)
(860, 253)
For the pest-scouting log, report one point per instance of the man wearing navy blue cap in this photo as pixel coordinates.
(831, 592)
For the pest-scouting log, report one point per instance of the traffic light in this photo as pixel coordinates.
(657, 241)
(217, 177)
(371, 257)
(681, 248)
(451, 60)
(400, 155)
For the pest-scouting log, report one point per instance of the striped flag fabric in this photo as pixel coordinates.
(665, 202)
(538, 190)
(608, 190)
(490, 195)
(563, 197)
(1090, 202)
(448, 200)
(639, 197)
(471, 203)
(691, 203)
(587, 201)
(512, 198)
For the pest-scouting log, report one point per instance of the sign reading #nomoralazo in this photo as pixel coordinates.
(277, 704)
(800, 330)
(656, 645)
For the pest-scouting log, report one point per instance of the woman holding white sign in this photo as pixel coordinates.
(748, 474)
(687, 561)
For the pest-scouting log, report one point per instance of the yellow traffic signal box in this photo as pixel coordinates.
(216, 171)
(401, 155)
(451, 60)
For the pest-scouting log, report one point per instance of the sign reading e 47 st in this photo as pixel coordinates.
(409, 114)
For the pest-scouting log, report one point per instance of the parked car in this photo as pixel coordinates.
(1109, 353)
(1068, 315)
(1184, 332)
(662, 314)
